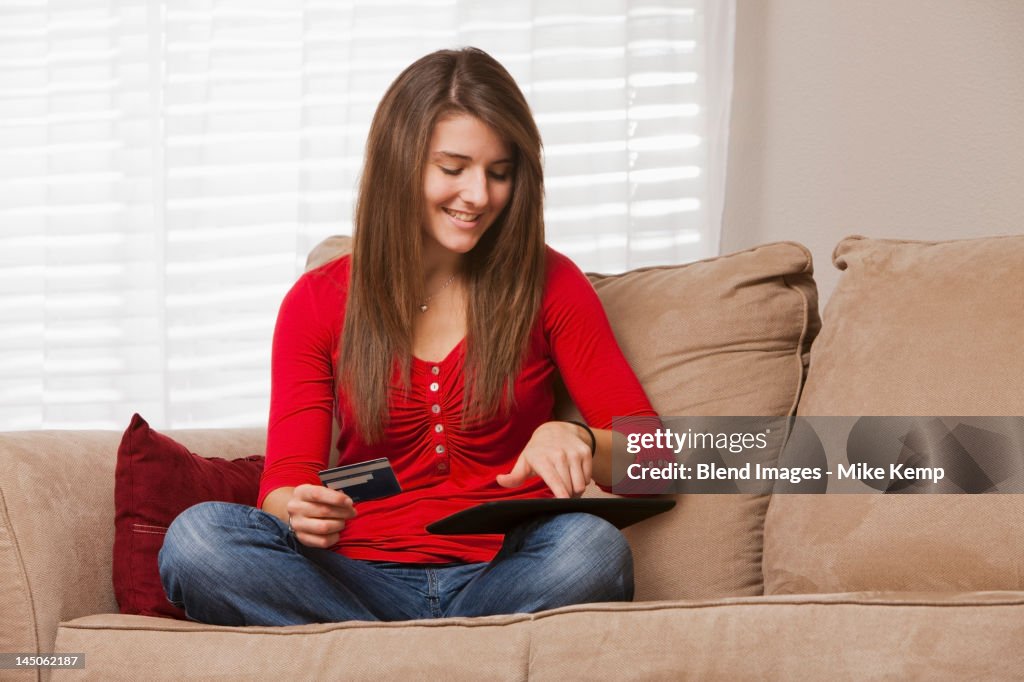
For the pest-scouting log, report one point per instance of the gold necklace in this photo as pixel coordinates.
(423, 305)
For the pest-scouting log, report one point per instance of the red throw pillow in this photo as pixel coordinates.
(155, 480)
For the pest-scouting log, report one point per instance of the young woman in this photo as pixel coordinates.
(436, 344)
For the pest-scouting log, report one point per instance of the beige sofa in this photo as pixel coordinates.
(728, 586)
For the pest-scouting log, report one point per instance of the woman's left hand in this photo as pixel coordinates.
(558, 454)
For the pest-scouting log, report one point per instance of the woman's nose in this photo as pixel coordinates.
(474, 190)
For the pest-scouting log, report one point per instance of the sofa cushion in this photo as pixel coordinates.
(838, 636)
(329, 249)
(722, 336)
(913, 328)
(156, 479)
(877, 636)
(922, 328)
(119, 647)
(718, 337)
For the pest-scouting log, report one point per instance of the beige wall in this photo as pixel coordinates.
(889, 118)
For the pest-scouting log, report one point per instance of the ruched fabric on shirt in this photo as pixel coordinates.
(442, 466)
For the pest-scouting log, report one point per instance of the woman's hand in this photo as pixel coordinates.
(317, 514)
(558, 452)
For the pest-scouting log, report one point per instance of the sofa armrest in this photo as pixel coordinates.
(57, 524)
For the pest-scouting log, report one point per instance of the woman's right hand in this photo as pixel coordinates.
(317, 514)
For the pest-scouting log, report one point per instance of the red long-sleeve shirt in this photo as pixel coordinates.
(441, 466)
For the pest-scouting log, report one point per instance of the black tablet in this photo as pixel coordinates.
(504, 515)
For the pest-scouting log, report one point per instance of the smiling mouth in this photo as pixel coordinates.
(464, 217)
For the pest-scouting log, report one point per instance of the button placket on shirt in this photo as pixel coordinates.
(439, 439)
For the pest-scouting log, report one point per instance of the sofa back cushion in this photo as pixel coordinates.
(913, 328)
(723, 336)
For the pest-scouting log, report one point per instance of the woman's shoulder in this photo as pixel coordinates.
(329, 279)
(318, 296)
(569, 297)
(562, 274)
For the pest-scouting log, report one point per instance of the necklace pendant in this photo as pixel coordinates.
(423, 306)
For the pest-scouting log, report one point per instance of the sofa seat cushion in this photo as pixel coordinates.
(917, 329)
(871, 635)
(119, 646)
(857, 636)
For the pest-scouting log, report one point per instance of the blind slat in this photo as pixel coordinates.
(166, 167)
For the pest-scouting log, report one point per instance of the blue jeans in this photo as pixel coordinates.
(231, 564)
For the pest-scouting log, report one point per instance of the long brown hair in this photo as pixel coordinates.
(504, 273)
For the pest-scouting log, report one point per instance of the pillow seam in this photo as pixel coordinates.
(134, 591)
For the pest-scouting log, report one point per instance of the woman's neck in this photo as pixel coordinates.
(439, 264)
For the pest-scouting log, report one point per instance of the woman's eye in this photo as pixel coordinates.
(500, 177)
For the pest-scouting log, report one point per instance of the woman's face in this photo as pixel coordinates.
(467, 182)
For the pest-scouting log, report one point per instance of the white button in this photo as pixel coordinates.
(435, 370)
(434, 386)
(438, 428)
(435, 408)
(439, 449)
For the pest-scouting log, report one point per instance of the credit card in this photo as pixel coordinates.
(362, 481)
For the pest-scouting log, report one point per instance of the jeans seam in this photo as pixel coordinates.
(433, 600)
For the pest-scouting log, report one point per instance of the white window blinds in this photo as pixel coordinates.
(165, 167)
